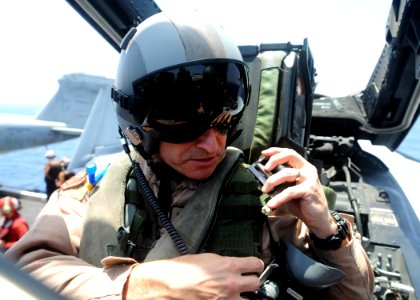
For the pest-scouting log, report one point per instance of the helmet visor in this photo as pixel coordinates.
(180, 104)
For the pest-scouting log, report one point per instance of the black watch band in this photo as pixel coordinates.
(334, 241)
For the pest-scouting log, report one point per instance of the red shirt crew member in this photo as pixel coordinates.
(13, 226)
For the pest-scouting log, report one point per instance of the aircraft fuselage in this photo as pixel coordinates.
(17, 132)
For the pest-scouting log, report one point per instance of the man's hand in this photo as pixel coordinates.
(196, 276)
(306, 200)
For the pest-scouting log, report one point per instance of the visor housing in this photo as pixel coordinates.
(179, 104)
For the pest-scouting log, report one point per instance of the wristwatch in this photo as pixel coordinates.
(334, 241)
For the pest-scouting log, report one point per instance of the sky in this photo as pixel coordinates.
(42, 41)
(46, 39)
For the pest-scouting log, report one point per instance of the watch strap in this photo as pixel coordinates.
(334, 241)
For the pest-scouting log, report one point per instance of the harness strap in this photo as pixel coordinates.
(142, 228)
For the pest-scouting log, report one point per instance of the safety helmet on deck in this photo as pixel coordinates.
(178, 76)
(49, 153)
(9, 204)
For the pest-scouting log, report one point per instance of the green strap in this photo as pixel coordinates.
(137, 224)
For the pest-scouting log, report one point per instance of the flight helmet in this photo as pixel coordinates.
(178, 76)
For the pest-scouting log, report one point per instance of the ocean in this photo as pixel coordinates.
(24, 169)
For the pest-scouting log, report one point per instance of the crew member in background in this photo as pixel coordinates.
(13, 225)
(51, 171)
(65, 173)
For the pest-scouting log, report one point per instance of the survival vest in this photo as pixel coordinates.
(223, 216)
(227, 205)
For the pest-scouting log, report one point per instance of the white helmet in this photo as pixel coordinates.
(9, 205)
(49, 153)
(178, 76)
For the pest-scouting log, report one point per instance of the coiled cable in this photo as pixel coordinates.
(150, 196)
(166, 223)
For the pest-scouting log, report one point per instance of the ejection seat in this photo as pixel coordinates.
(279, 112)
(282, 78)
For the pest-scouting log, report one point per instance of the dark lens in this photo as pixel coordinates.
(186, 101)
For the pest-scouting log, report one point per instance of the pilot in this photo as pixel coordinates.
(12, 226)
(177, 215)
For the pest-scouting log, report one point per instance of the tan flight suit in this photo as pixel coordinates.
(49, 251)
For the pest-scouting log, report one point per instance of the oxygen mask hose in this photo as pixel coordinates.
(166, 223)
(150, 196)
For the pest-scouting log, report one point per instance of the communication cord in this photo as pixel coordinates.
(166, 223)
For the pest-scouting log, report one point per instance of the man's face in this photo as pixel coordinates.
(198, 159)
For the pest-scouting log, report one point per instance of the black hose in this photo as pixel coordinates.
(353, 201)
(166, 223)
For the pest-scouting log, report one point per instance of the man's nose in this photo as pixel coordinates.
(208, 140)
